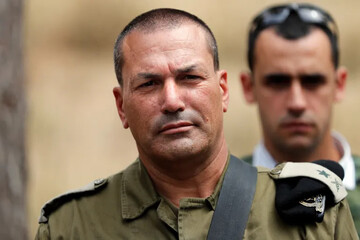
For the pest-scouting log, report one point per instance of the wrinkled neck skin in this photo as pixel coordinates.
(196, 177)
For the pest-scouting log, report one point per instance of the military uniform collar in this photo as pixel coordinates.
(138, 192)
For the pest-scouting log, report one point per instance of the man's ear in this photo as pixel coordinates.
(222, 75)
(247, 84)
(341, 76)
(119, 105)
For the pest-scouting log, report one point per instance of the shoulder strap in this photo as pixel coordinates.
(55, 203)
(235, 200)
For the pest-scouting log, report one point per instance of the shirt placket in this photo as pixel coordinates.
(194, 218)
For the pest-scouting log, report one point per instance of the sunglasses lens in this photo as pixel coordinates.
(311, 15)
(275, 15)
(315, 16)
(278, 15)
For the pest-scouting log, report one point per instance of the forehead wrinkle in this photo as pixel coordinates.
(160, 61)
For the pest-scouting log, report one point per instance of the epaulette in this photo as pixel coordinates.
(305, 190)
(55, 203)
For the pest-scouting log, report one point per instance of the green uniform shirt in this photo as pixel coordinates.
(128, 207)
(353, 196)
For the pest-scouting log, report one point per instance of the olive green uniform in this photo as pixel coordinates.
(126, 206)
(353, 196)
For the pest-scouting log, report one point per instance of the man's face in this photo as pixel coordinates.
(295, 84)
(172, 99)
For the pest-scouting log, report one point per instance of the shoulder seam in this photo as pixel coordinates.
(56, 202)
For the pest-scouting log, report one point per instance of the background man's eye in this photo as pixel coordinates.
(277, 81)
(312, 81)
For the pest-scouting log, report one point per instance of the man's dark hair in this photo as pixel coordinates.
(157, 19)
(293, 28)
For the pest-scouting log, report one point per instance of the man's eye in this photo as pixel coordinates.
(277, 81)
(312, 81)
(190, 77)
(147, 84)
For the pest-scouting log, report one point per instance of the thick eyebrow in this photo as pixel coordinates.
(146, 75)
(187, 69)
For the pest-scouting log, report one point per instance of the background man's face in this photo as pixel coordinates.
(171, 98)
(295, 85)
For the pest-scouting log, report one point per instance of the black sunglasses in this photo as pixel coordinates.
(307, 13)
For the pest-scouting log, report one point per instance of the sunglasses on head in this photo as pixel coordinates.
(307, 13)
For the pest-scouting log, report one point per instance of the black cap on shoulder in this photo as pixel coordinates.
(302, 200)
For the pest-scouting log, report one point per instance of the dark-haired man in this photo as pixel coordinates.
(295, 80)
(172, 96)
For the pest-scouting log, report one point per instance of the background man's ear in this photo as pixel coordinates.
(222, 75)
(341, 76)
(246, 82)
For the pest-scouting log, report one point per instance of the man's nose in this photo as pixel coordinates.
(172, 96)
(296, 101)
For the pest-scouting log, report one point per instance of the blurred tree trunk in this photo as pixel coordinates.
(12, 114)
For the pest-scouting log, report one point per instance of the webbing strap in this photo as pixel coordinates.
(234, 203)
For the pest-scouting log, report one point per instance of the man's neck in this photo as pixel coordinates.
(196, 181)
(326, 150)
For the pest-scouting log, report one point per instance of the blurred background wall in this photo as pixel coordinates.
(73, 132)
